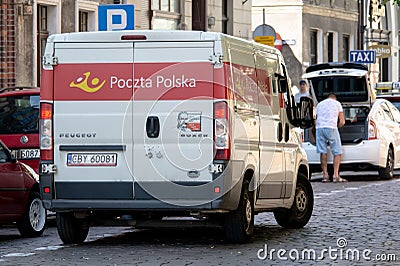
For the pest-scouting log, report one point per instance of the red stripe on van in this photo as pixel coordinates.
(46, 85)
(83, 82)
(151, 81)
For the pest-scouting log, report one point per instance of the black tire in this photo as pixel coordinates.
(239, 224)
(300, 212)
(33, 221)
(71, 229)
(388, 171)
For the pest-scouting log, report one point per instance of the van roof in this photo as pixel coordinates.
(149, 35)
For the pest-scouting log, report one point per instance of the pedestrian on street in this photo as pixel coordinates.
(329, 118)
(303, 91)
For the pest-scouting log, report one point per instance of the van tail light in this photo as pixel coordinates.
(221, 131)
(372, 132)
(46, 132)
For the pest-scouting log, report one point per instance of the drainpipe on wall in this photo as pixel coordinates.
(76, 16)
(182, 24)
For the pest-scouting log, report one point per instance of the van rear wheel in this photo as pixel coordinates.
(300, 212)
(71, 229)
(239, 224)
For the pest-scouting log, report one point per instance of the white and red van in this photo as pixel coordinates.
(137, 127)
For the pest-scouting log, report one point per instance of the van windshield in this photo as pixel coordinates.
(346, 88)
(19, 114)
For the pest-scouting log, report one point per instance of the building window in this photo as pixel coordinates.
(83, 21)
(224, 16)
(330, 47)
(165, 14)
(199, 15)
(313, 47)
(346, 47)
(384, 69)
(227, 14)
(42, 34)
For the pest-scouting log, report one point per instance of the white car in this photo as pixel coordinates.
(371, 135)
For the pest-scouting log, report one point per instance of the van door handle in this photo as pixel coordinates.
(153, 127)
(280, 132)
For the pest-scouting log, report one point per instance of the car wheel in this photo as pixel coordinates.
(300, 212)
(239, 224)
(33, 221)
(388, 171)
(71, 229)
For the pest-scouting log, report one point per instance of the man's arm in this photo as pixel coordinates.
(341, 120)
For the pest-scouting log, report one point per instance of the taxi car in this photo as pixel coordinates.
(371, 135)
(389, 91)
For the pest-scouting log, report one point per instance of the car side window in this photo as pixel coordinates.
(3, 154)
(386, 113)
(395, 113)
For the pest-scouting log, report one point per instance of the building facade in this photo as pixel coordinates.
(319, 31)
(314, 31)
(26, 24)
(380, 29)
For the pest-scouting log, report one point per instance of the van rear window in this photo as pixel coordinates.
(346, 88)
(19, 114)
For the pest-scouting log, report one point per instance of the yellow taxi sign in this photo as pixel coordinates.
(387, 86)
(267, 40)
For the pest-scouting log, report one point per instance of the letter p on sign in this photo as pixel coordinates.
(116, 17)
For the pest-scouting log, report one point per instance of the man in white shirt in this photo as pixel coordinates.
(328, 113)
(303, 91)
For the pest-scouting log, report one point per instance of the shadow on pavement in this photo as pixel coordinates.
(264, 230)
(354, 176)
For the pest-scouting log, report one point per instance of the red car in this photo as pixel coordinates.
(20, 201)
(19, 128)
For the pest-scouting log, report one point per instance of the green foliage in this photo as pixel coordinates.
(395, 2)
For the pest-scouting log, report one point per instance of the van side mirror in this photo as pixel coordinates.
(283, 85)
(306, 112)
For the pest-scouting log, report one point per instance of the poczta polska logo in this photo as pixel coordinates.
(82, 83)
(174, 81)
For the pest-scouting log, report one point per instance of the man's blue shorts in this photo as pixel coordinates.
(328, 136)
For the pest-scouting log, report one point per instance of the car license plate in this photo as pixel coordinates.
(26, 154)
(91, 159)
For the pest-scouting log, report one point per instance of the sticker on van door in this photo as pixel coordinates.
(189, 121)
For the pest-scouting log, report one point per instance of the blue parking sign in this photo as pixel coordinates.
(116, 17)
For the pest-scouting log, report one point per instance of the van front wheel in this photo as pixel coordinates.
(239, 224)
(71, 229)
(300, 212)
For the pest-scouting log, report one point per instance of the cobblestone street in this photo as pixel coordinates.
(358, 218)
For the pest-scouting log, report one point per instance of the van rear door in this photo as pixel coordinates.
(172, 119)
(92, 121)
(128, 113)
